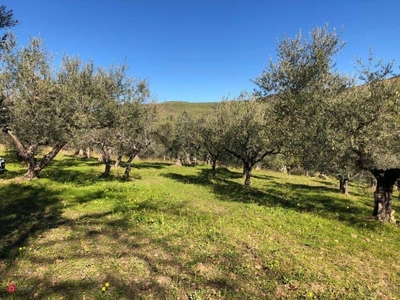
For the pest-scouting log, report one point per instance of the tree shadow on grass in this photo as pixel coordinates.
(11, 174)
(149, 165)
(25, 211)
(59, 172)
(299, 197)
(335, 186)
(79, 177)
(136, 264)
(73, 161)
(137, 261)
(319, 200)
(157, 274)
(76, 177)
(325, 182)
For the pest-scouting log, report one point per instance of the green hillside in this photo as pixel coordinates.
(175, 108)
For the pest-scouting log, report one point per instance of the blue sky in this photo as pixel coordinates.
(197, 51)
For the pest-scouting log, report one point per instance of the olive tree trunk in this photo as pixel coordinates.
(131, 157)
(118, 161)
(35, 167)
(105, 158)
(344, 185)
(247, 168)
(28, 155)
(214, 166)
(383, 194)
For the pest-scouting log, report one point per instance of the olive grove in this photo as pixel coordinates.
(47, 108)
(331, 122)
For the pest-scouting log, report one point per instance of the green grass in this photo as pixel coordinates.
(177, 233)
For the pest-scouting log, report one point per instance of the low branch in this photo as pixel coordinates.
(17, 143)
(49, 156)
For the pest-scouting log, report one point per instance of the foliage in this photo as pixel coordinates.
(248, 132)
(301, 87)
(212, 138)
(180, 138)
(372, 129)
(328, 123)
(33, 99)
(6, 21)
(78, 102)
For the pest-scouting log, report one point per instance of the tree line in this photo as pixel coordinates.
(302, 108)
(309, 113)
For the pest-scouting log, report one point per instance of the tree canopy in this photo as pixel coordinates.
(48, 108)
(329, 121)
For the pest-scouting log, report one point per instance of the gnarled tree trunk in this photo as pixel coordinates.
(28, 154)
(105, 158)
(118, 161)
(383, 194)
(187, 160)
(34, 167)
(344, 185)
(87, 153)
(178, 161)
(129, 163)
(247, 168)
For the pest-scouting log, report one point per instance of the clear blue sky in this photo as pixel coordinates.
(197, 51)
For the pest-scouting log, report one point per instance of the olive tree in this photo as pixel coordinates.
(249, 134)
(135, 130)
(180, 139)
(6, 22)
(212, 138)
(48, 107)
(32, 97)
(300, 86)
(330, 121)
(370, 127)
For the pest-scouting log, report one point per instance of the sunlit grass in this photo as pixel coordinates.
(178, 233)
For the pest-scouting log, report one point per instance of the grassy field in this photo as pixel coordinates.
(177, 233)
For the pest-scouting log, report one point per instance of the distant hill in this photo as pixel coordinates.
(172, 109)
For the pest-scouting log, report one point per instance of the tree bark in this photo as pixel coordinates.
(106, 159)
(31, 161)
(88, 153)
(247, 168)
(373, 182)
(383, 194)
(128, 167)
(214, 167)
(178, 161)
(188, 161)
(28, 155)
(107, 170)
(34, 167)
(129, 163)
(344, 185)
(118, 161)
